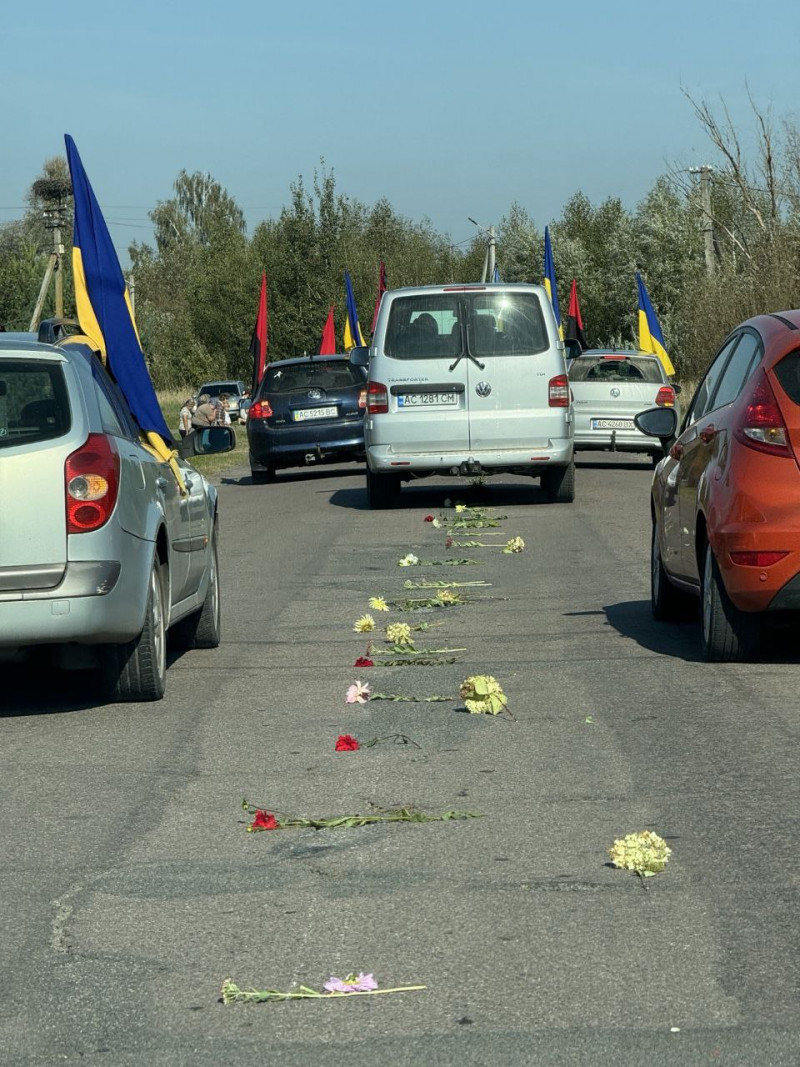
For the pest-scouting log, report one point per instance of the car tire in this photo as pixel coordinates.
(137, 670)
(728, 634)
(655, 458)
(668, 603)
(203, 628)
(383, 490)
(263, 476)
(558, 484)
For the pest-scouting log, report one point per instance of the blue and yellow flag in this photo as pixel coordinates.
(104, 308)
(550, 279)
(353, 337)
(651, 339)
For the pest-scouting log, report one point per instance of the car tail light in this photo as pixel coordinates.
(665, 397)
(260, 409)
(362, 398)
(377, 398)
(757, 559)
(558, 391)
(761, 425)
(91, 481)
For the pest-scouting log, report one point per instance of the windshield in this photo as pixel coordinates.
(614, 369)
(218, 388)
(432, 325)
(327, 374)
(34, 405)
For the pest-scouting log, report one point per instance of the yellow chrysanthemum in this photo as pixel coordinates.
(377, 603)
(483, 695)
(444, 596)
(515, 544)
(460, 508)
(643, 852)
(364, 624)
(399, 633)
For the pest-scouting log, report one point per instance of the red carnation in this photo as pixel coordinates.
(448, 543)
(346, 743)
(362, 661)
(264, 820)
(428, 518)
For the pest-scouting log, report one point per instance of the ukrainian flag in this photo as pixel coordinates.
(550, 279)
(651, 339)
(353, 337)
(104, 309)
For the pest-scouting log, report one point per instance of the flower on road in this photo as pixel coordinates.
(483, 695)
(377, 603)
(409, 560)
(515, 544)
(643, 852)
(399, 633)
(358, 693)
(264, 820)
(364, 661)
(353, 983)
(364, 624)
(346, 743)
(428, 518)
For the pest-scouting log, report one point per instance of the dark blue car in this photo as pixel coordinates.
(307, 411)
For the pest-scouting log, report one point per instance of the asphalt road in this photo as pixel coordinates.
(130, 888)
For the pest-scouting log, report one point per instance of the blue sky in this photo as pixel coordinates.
(446, 108)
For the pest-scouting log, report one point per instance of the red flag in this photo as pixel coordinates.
(381, 291)
(574, 330)
(328, 344)
(258, 342)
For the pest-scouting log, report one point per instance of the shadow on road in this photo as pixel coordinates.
(432, 495)
(634, 619)
(300, 474)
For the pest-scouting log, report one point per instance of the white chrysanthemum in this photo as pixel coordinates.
(643, 852)
(364, 624)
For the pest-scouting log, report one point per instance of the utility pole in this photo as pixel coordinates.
(54, 193)
(491, 247)
(132, 292)
(705, 173)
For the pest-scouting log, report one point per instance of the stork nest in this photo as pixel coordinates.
(52, 188)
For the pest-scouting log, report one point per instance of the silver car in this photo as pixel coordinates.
(609, 388)
(100, 552)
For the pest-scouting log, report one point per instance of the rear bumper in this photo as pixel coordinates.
(385, 458)
(290, 445)
(616, 441)
(775, 588)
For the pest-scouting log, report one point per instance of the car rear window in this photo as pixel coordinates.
(435, 325)
(34, 404)
(589, 369)
(221, 387)
(327, 374)
(788, 374)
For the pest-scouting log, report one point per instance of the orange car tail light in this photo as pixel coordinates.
(665, 397)
(757, 559)
(761, 425)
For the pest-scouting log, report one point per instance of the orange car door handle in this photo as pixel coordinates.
(676, 452)
(708, 434)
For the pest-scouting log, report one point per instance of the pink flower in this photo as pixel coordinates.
(346, 743)
(358, 693)
(353, 983)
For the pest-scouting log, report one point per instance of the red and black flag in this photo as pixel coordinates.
(381, 290)
(328, 344)
(574, 330)
(258, 342)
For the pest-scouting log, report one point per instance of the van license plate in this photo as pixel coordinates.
(427, 400)
(316, 413)
(612, 424)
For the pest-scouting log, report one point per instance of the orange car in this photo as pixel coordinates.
(726, 498)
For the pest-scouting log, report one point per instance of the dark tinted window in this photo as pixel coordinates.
(738, 369)
(34, 405)
(600, 369)
(788, 374)
(505, 324)
(424, 327)
(327, 374)
(701, 400)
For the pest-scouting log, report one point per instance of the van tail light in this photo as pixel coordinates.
(362, 398)
(761, 425)
(91, 483)
(757, 559)
(665, 397)
(260, 409)
(377, 398)
(558, 391)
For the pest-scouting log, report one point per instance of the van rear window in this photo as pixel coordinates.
(445, 325)
(34, 404)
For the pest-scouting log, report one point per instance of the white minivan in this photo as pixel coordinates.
(467, 380)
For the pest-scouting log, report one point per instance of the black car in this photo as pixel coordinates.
(307, 411)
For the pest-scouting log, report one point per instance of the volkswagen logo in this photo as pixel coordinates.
(316, 394)
(615, 392)
(483, 388)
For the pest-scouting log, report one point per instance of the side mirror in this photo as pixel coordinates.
(212, 440)
(657, 422)
(359, 357)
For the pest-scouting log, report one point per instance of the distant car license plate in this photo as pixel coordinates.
(316, 413)
(427, 400)
(612, 424)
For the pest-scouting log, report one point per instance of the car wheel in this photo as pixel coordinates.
(264, 476)
(729, 635)
(558, 484)
(382, 489)
(137, 670)
(203, 628)
(669, 604)
(655, 458)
